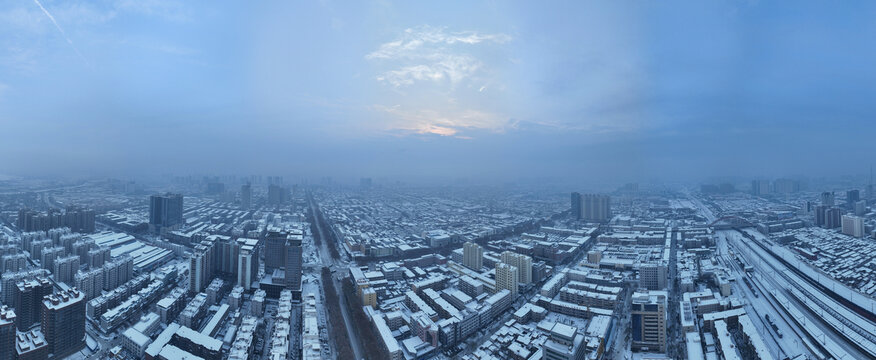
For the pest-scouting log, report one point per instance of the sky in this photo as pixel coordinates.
(496, 90)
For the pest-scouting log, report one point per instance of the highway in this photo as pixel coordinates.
(336, 266)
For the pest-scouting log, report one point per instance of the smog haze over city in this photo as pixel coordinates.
(437, 180)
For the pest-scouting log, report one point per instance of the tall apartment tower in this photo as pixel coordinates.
(827, 198)
(576, 205)
(648, 323)
(852, 196)
(275, 249)
(63, 322)
(200, 272)
(506, 278)
(247, 262)
(7, 333)
(246, 196)
(29, 296)
(833, 218)
(65, 269)
(472, 256)
(853, 226)
(165, 211)
(523, 264)
(294, 259)
(595, 207)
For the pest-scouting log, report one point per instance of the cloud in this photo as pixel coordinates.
(431, 54)
(415, 39)
(450, 67)
(444, 123)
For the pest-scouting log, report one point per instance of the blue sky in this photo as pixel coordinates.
(612, 90)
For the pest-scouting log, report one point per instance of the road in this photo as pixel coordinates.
(338, 266)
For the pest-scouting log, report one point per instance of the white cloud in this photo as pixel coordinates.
(452, 68)
(431, 54)
(413, 40)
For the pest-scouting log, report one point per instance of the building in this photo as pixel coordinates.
(861, 207)
(63, 322)
(78, 219)
(65, 269)
(648, 323)
(200, 268)
(165, 211)
(135, 342)
(595, 208)
(28, 301)
(246, 196)
(652, 276)
(833, 218)
(760, 187)
(248, 262)
(827, 198)
(852, 196)
(7, 333)
(821, 215)
(523, 264)
(277, 195)
(564, 343)
(576, 205)
(853, 226)
(472, 256)
(506, 278)
(294, 259)
(31, 345)
(275, 250)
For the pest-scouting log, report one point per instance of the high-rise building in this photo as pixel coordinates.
(852, 196)
(827, 198)
(861, 207)
(760, 187)
(63, 322)
(65, 269)
(246, 196)
(275, 249)
(165, 211)
(833, 218)
(595, 207)
(7, 333)
(29, 296)
(200, 268)
(248, 262)
(821, 215)
(853, 226)
(78, 219)
(648, 323)
(506, 278)
(786, 186)
(277, 194)
(576, 205)
(294, 259)
(472, 256)
(523, 264)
